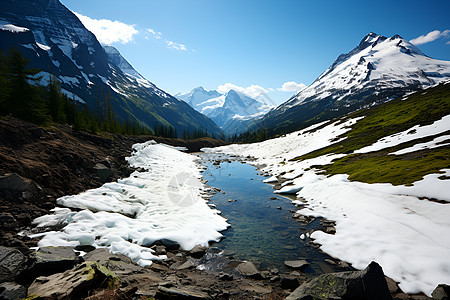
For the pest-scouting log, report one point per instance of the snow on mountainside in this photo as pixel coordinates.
(384, 62)
(117, 59)
(377, 70)
(197, 96)
(227, 110)
(55, 41)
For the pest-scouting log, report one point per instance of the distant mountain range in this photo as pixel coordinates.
(377, 70)
(55, 41)
(231, 111)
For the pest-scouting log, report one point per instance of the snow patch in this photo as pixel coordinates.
(43, 47)
(437, 142)
(410, 134)
(128, 215)
(72, 96)
(69, 80)
(381, 222)
(12, 28)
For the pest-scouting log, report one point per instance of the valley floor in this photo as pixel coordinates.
(165, 199)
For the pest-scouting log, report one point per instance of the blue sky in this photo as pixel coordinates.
(255, 46)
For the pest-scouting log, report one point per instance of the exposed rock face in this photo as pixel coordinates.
(51, 260)
(12, 264)
(248, 269)
(367, 284)
(178, 293)
(103, 172)
(180, 265)
(441, 292)
(198, 251)
(17, 188)
(115, 262)
(12, 291)
(73, 283)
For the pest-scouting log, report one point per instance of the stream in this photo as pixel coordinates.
(262, 229)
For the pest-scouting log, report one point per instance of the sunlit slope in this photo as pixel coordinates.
(408, 115)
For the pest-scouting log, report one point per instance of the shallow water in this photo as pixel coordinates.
(260, 232)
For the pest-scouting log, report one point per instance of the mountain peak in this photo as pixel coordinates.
(199, 89)
(370, 39)
(370, 36)
(232, 93)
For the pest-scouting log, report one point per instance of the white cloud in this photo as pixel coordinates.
(176, 46)
(156, 34)
(107, 31)
(430, 36)
(292, 86)
(252, 91)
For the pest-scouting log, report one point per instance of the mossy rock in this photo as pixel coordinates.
(74, 283)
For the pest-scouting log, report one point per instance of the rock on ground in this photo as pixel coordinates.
(367, 284)
(441, 292)
(297, 264)
(248, 269)
(12, 264)
(73, 284)
(180, 293)
(51, 260)
(12, 291)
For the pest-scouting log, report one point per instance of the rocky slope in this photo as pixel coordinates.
(46, 163)
(56, 42)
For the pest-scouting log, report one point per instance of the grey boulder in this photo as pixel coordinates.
(12, 264)
(367, 284)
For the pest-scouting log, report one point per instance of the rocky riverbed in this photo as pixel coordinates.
(39, 165)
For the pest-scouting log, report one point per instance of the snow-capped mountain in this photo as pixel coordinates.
(229, 111)
(55, 41)
(377, 70)
(198, 96)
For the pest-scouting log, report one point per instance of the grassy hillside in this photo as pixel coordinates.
(420, 108)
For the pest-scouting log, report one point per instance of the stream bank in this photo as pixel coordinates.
(264, 226)
(182, 273)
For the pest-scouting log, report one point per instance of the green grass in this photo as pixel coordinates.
(389, 118)
(396, 169)
(421, 108)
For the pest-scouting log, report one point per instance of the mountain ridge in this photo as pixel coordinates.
(56, 42)
(229, 110)
(378, 69)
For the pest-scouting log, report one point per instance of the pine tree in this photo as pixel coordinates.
(4, 84)
(55, 101)
(23, 100)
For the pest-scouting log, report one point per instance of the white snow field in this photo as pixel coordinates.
(164, 202)
(408, 237)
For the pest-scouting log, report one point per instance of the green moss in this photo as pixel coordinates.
(402, 169)
(421, 108)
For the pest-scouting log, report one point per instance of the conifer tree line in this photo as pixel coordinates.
(47, 105)
(254, 136)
